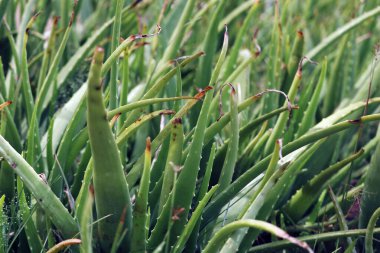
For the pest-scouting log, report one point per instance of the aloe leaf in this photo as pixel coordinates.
(185, 185)
(333, 37)
(138, 242)
(34, 147)
(15, 59)
(244, 131)
(41, 191)
(192, 241)
(114, 44)
(63, 245)
(235, 13)
(224, 233)
(247, 155)
(333, 93)
(267, 176)
(370, 200)
(134, 173)
(274, 65)
(305, 197)
(55, 177)
(230, 79)
(125, 86)
(309, 114)
(209, 46)
(47, 55)
(109, 179)
(321, 237)
(281, 121)
(126, 133)
(3, 88)
(232, 60)
(86, 226)
(6, 171)
(52, 73)
(261, 206)
(3, 8)
(178, 33)
(233, 146)
(187, 180)
(340, 216)
(125, 44)
(26, 89)
(179, 246)
(322, 132)
(2, 224)
(26, 16)
(295, 57)
(34, 241)
(370, 230)
(68, 69)
(141, 103)
(174, 158)
(159, 85)
(63, 117)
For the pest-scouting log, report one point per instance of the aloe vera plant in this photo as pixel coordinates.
(189, 126)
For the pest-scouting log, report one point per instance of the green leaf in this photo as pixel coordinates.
(139, 236)
(110, 185)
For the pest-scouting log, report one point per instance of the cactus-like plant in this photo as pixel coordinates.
(188, 126)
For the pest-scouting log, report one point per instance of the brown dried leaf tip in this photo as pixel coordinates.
(203, 92)
(300, 33)
(176, 213)
(5, 104)
(114, 119)
(299, 71)
(177, 121)
(91, 190)
(144, 36)
(56, 19)
(167, 112)
(73, 13)
(355, 121)
(148, 144)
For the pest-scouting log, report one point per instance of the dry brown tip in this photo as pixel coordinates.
(5, 104)
(148, 144)
(355, 121)
(72, 18)
(299, 70)
(167, 112)
(300, 34)
(233, 90)
(55, 20)
(203, 92)
(91, 189)
(123, 215)
(257, 96)
(177, 121)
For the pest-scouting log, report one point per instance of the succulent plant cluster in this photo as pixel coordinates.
(189, 126)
